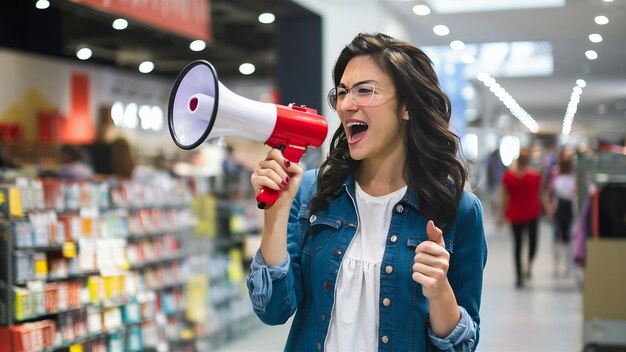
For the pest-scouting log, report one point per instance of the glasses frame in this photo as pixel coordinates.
(332, 95)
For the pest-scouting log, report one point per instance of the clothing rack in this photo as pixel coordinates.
(605, 258)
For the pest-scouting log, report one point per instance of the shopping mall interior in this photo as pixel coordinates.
(117, 233)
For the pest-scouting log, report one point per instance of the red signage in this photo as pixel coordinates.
(189, 18)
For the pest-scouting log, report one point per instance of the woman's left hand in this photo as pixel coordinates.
(431, 262)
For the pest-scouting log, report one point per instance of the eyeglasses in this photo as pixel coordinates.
(362, 94)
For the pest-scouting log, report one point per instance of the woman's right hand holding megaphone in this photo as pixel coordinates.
(280, 174)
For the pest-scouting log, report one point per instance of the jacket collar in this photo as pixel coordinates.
(348, 185)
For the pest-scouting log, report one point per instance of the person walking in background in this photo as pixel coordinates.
(521, 207)
(495, 170)
(561, 210)
(380, 246)
(73, 163)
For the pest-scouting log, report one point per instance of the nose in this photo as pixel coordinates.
(348, 103)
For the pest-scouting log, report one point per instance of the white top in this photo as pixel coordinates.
(565, 186)
(354, 319)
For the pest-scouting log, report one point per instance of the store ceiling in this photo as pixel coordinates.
(239, 37)
(602, 105)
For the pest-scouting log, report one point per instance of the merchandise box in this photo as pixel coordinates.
(605, 280)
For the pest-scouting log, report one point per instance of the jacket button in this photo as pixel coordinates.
(399, 208)
(312, 218)
(389, 269)
(326, 285)
(384, 339)
(386, 302)
(393, 238)
(323, 316)
(319, 346)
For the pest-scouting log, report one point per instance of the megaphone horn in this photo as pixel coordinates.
(202, 108)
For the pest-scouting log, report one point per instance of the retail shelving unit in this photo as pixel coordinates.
(123, 265)
(604, 311)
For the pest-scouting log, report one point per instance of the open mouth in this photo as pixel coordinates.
(357, 130)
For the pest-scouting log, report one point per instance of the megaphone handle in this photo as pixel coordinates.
(266, 198)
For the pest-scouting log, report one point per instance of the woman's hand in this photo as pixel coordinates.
(431, 262)
(279, 174)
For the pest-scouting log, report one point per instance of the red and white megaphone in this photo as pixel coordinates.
(202, 108)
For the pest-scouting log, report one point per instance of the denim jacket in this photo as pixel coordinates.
(316, 243)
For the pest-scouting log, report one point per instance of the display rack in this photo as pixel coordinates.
(603, 293)
(123, 266)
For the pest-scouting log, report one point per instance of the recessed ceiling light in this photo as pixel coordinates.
(197, 45)
(457, 45)
(595, 38)
(246, 69)
(84, 53)
(120, 24)
(42, 4)
(441, 30)
(581, 83)
(468, 59)
(421, 10)
(591, 54)
(146, 67)
(601, 20)
(267, 18)
(608, 0)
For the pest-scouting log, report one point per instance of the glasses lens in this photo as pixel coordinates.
(332, 99)
(363, 94)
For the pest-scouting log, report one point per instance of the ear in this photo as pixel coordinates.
(405, 114)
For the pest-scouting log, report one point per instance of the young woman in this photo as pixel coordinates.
(379, 249)
(562, 210)
(521, 206)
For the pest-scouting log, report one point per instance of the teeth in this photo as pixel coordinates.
(354, 123)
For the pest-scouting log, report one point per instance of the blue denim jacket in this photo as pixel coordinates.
(305, 282)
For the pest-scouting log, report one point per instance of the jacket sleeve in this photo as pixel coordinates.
(275, 292)
(465, 274)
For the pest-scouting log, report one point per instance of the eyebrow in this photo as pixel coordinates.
(371, 81)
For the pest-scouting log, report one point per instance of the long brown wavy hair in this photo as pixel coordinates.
(431, 168)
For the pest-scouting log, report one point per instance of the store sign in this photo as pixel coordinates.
(189, 18)
(137, 117)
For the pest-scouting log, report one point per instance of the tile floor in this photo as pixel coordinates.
(546, 315)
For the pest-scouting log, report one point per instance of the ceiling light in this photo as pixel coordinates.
(441, 30)
(246, 69)
(457, 45)
(421, 10)
(572, 106)
(595, 38)
(267, 18)
(120, 24)
(467, 59)
(608, 0)
(84, 53)
(197, 45)
(581, 83)
(42, 4)
(601, 20)
(509, 102)
(591, 54)
(146, 67)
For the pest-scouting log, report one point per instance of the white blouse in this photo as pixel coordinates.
(354, 318)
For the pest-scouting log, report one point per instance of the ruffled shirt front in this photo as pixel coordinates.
(354, 319)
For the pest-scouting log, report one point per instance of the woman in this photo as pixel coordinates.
(379, 249)
(521, 200)
(562, 210)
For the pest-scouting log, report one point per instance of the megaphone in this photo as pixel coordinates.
(201, 108)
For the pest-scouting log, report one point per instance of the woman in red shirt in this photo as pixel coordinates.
(521, 204)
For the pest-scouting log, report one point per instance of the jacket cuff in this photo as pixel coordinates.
(462, 338)
(260, 279)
